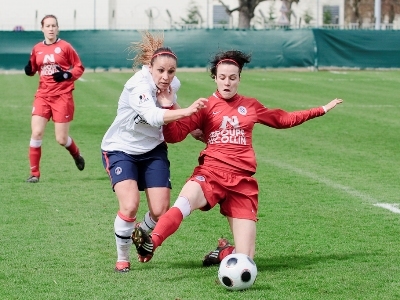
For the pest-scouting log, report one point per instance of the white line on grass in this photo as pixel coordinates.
(353, 192)
(392, 207)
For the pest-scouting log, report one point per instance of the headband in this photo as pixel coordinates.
(227, 59)
(164, 52)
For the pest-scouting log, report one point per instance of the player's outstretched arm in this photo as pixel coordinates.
(176, 114)
(197, 134)
(332, 104)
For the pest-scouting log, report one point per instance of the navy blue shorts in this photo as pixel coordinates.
(150, 169)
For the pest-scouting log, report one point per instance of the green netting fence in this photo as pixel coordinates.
(269, 48)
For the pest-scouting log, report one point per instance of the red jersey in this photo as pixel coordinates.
(45, 58)
(227, 126)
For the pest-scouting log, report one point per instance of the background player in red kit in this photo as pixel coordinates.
(227, 164)
(58, 66)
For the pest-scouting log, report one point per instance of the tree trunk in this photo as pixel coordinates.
(354, 11)
(244, 18)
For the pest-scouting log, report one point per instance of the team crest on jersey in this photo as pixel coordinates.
(118, 170)
(143, 98)
(200, 178)
(242, 110)
(57, 50)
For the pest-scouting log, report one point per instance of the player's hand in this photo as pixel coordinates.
(165, 98)
(332, 104)
(198, 135)
(196, 106)
(61, 75)
(28, 69)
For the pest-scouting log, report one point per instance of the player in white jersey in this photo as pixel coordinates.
(133, 148)
(137, 126)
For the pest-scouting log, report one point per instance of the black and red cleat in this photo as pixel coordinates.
(144, 244)
(79, 162)
(213, 258)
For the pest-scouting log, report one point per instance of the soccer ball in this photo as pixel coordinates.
(237, 272)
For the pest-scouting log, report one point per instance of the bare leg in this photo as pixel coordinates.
(191, 198)
(158, 200)
(244, 234)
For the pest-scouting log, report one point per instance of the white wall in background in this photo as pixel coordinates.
(134, 14)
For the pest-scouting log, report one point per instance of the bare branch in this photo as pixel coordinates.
(228, 11)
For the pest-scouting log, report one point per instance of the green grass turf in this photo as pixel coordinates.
(319, 234)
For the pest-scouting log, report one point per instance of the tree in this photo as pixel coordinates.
(266, 19)
(271, 14)
(327, 17)
(194, 16)
(354, 7)
(359, 11)
(246, 10)
(390, 8)
(307, 17)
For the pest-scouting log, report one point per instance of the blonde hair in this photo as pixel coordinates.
(146, 49)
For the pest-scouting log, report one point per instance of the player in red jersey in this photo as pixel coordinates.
(227, 164)
(58, 66)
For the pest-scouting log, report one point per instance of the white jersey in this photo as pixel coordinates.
(137, 128)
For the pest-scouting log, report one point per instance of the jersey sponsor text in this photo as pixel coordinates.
(232, 135)
(225, 136)
(48, 70)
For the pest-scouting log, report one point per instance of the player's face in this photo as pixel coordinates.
(227, 80)
(163, 71)
(50, 29)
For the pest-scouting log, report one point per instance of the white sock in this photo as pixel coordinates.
(35, 143)
(123, 232)
(184, 206)
(69, 142)
(148, 223)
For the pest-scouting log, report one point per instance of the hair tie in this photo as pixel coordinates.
(227, 59)
(164, 52)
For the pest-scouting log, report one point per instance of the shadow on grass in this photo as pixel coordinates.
(268, 263)
(301, 261)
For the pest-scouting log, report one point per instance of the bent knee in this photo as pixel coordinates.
(156, 214)
(62, 140)
(37, 135)
(129, 211)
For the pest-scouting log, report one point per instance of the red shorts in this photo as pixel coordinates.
(60, 108)
(237, 194)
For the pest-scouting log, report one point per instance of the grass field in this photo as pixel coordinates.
(320, 233)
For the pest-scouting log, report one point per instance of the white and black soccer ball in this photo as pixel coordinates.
(237, 272)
